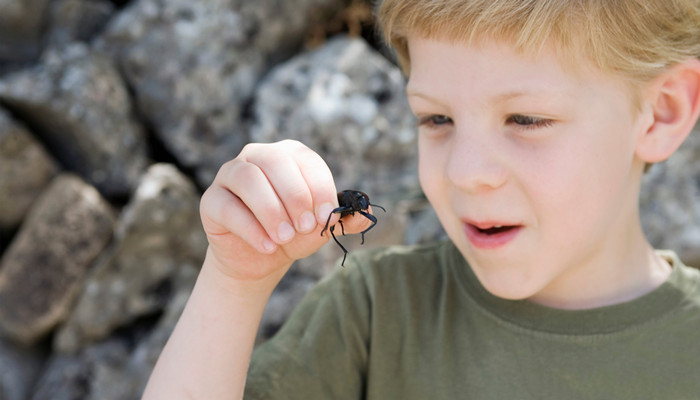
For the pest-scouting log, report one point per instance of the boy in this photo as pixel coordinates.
(536, 121)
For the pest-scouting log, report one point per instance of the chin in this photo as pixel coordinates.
(508, 287)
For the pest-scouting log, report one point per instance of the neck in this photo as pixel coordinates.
(608, 278)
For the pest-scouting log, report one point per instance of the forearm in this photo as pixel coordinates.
(208, 353)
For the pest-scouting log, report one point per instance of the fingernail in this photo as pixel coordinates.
(268, 245)
(285, 232)
(324, 211)
(307, 222)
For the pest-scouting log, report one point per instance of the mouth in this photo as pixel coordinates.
(490, 235)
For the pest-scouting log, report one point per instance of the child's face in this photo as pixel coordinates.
(546, 153)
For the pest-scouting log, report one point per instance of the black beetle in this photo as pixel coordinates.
(351, 202)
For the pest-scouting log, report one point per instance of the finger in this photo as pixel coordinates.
(249, 184)
(320, 181)
(283, 172)
(223, 213)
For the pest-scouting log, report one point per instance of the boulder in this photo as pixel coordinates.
(19, 369)
(194, 66)
(77, 102)
(42, 271)
(76, 20)
(21, 24)
(346, 102)
(158, 234)
(26, 169)
(117, 367)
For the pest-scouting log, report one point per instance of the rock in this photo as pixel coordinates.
(76, 20)
(194, 66)
(19, 368)
(116, 368)
(73, 377)
(21, 24)
(670, 202)
(159, 233)
(346, 102)
(42, 271)
(26, 169)
(77, 102)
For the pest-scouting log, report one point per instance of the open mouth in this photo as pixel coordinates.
(491, 236)
(496, 229)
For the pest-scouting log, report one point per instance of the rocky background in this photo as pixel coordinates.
(116, 114)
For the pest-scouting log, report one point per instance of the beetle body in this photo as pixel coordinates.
(349, 203)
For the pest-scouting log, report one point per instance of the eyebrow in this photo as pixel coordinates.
(499, 98)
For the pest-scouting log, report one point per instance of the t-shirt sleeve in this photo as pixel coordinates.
(321, 351)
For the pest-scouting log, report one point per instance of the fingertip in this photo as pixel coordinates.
(324, 212)
(268, 246)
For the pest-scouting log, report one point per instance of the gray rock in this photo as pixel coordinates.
(21, 23)
(116, 368)
(136, 371)
(42, 271)
(159, 233)
(347, 102)
(73, 377)
(76, 20)
(19, 368)
(670, 202)
(78, 103)
(25, 168)
(194, 65)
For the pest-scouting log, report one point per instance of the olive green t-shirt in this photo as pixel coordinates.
(415, 323)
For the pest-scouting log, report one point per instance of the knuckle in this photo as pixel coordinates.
(298, 198)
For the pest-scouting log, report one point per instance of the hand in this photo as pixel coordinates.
(266, 208)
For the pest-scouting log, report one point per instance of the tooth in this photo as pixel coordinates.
(498, 226)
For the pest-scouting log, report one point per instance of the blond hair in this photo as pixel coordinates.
(637, 39)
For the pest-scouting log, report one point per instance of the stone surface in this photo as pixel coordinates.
(159, 233)
(77, 102)
(76, 20)
(25, 168)
(21, 23)
(19, 369)
(346, 102)
(42, 271)
(670, 202)
(116, 368)
(194, 66)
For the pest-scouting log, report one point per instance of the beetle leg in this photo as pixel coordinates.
(371, 218)
(342, 228)
(338, 210)
(345, 251)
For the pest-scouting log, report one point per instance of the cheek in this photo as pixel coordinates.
(585, 186)
(429, 170)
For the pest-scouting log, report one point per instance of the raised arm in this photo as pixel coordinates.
(264, 210)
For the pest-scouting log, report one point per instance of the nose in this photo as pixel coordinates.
(474, 163)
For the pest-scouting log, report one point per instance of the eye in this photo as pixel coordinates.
(434, 120)
(528, 122)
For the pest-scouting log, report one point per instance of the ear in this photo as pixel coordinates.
(674, 101)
